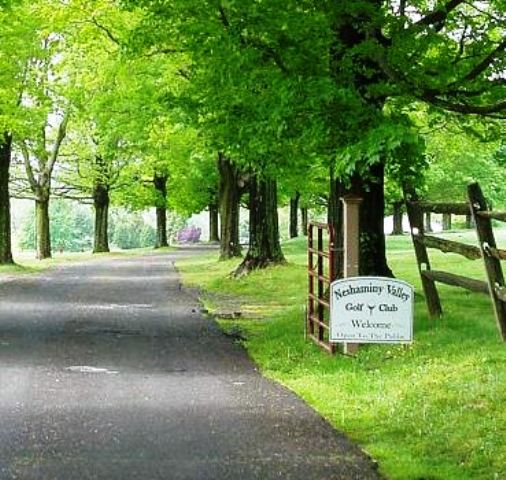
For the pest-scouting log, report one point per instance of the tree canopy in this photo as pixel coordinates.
(144, 97)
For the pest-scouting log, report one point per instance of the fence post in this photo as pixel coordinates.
(415, 215)
(487, 242)
(351, 226)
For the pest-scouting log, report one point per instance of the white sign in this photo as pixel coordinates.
(371, 310)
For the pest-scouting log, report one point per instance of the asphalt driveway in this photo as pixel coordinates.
(108, 371)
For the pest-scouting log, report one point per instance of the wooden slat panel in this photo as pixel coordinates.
(320, 268)
(457, 280)
(471, 252)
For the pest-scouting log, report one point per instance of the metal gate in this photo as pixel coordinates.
(320, 275)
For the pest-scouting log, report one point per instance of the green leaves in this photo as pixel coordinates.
(283, 87)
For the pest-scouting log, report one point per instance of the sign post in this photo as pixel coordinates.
(362, 309)
(351, 226)
(366, 309)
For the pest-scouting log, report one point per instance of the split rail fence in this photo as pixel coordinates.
(487, 250)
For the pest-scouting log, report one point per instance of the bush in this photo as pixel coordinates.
(128, 230)
(71, 227)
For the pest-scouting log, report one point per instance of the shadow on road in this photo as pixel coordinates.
(108, 371)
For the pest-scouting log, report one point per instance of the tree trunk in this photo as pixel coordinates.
(229, 197)
(397, 218)
(264, 246)
(42, 227)
(335, 219)
(447, 221)
(304, 221)
(213, 223)
(5, 209)
(350, 32)
(428, 222)
(101, 204)
(294, 210)
(160, 183)
(373, 259)
(470, 222)
(161, 228)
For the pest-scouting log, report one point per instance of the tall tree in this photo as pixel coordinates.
(5, 216)
(101, 201)
(229, 203)
(40, 158)
(18, 40)
(294, 215)
(379, 55)
(104, 86)
(264, 246)
(160, 184)
(45, 111)
(340, 76)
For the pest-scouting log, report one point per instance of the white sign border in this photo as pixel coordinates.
(388, 342)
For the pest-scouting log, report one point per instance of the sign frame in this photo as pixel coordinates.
(334, 338)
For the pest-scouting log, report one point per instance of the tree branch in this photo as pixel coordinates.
(497, 110)
(486, 62)
(184, 74)
(462, 43)
(21, 197)
(270, 51)
(109, 34)
(28, 166)
(62, 132)
(81, 199)
(162, 51)
(437, 18)
(223, 17)
(402, 8)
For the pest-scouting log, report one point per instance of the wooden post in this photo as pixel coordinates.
(493, 267)
(415, 215)
(351, 226)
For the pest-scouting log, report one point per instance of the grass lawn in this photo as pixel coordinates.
(432, 410)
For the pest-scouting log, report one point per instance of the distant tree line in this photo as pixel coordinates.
(195, 104)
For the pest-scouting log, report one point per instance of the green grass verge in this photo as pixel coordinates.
(432, 410)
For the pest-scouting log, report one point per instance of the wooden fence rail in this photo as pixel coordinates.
(439, 207)
(469, 251)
